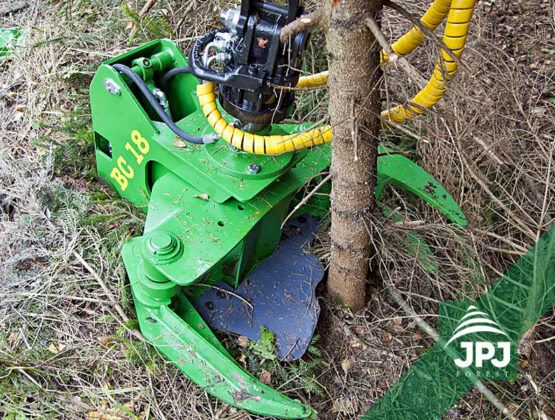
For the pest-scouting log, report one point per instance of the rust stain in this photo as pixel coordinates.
(240, 396)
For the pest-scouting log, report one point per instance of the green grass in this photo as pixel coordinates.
(64, 353)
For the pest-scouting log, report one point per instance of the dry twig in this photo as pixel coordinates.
(394, 59)
(316, 19)
(111, 298)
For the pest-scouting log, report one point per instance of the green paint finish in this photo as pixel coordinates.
(209, 216)
(187, 340)
(209, 231)
(515, 303)
(398, 170)
(10, 39)
(237, 163)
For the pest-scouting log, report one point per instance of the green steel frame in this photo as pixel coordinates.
(209, 217)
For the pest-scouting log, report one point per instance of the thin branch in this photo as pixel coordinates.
(399, 62)
(354, 127)
(378, 34)
(185, 15)
(146, 8)
(305, 199)
(316, 19)
(302, 89)
(111, 298)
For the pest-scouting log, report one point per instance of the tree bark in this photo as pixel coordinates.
(354, 76)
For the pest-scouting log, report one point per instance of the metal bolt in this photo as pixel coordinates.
(112, 87)
(253, 169)
(162, 246)
(162, 98)
(233, 148)
(161, 243)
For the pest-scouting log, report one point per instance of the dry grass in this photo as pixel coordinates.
(65, 352)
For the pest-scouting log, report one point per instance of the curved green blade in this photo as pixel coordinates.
(183, 337)
(398, 170)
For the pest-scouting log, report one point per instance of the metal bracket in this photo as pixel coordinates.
(112, 87)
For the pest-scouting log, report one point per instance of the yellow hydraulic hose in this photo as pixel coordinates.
(313, 80)
(252, 143)
(404, 45)
(456, 31)
(413, 38)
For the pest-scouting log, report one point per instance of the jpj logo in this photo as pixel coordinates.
(485, 349)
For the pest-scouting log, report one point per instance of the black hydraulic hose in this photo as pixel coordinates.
(171, 73)
(158, 108)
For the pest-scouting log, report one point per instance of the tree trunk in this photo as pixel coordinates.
(354, 75)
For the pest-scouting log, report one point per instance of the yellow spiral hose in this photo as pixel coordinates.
(404, 45)
(456, 31)
(252, 143)
(413, 38)
(313, 80)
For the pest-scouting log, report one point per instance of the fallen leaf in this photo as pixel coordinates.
(346, 405)
(14, 339)
(179, 143)
(265, 377)
(417, 335)
(360, 330)
(76, 400)
(243, 341)
(97, 415)
(106, 340)
(387, 337)
(346, 365)
(204, 197)
(355, 344)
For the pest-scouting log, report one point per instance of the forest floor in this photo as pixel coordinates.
(66, 352)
